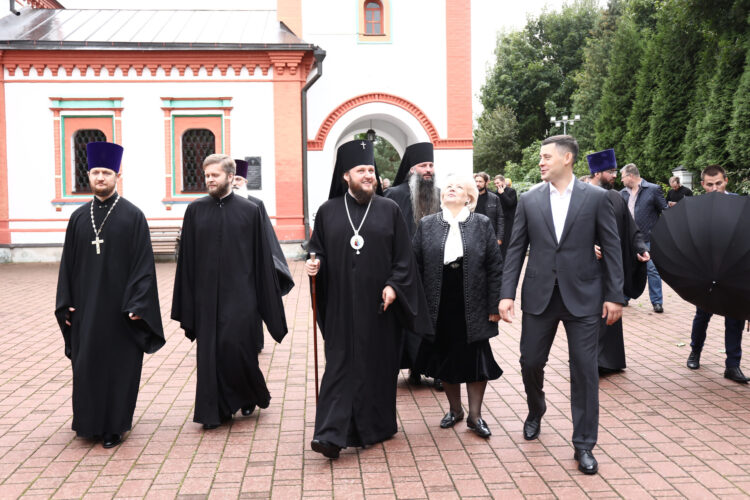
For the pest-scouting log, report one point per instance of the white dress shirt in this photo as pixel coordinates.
(454, 247)
(559, 204)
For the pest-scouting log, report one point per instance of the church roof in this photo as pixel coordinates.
(66, 29)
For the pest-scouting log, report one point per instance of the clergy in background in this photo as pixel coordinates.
(107, 303)
(603, 167)
(368, 289)
(225, 285)
(239, 185)
(416, 194)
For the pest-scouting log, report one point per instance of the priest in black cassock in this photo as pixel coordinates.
(239, 185)
(225, 285)
(603, 167)
(416, 194)
(107, 303)
(368, 289)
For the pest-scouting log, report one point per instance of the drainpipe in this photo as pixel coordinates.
(13, 7)
(319, 55)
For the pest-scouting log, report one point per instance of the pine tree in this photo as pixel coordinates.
(618, 91)
(677, 41)
(739, 134)
(638, 119)
(716, 122)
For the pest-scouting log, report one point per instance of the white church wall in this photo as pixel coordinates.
(31, 144)
(412, 65)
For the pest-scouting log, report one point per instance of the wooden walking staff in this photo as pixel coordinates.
(315, 327)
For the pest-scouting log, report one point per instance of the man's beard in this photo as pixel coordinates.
(103, 192)
(220, 191)
(606, 185)
(424, 196)
(361, 195)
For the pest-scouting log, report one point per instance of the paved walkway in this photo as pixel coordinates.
(665, 431)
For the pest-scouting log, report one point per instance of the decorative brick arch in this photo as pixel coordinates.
(320, 138)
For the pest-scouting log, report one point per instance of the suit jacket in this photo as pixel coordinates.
(509, 201)
(648, 206)
(494, 212)
(584, 282)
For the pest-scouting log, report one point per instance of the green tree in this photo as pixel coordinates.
(738, 140)
(618, 90)
(534, 69)
(495, 140)
(677, 42)
(638, 118)
(716, 123)
(691, 148)
(589, 78)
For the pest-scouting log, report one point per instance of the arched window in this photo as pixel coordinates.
(81, 170)
(373, 17)
(197, 143)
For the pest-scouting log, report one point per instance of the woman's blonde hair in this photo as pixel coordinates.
(467, 183)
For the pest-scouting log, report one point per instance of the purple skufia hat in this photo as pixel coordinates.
(241, 168)
(104, 155)
(602, 161)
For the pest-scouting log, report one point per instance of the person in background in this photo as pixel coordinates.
(488, 204)
(509, 201)
(677, 192)
(646, 203)
(714, 180)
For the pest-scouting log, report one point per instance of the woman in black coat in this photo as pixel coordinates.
(461, 268)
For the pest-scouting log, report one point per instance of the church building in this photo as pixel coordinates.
(281, 85)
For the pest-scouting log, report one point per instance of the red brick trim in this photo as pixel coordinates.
(325, 128)
(4, 202)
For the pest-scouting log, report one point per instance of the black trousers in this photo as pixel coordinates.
(732, 336)
(537, 334)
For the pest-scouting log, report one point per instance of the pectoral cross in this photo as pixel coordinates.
(96, 242)
(363, 144)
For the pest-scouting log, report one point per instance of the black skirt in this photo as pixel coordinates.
(451, 358)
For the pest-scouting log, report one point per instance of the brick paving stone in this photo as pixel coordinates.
(665, 431)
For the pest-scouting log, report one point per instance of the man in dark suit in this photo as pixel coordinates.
(560, 220)
(646, 203)
(488, 204)
(508, 200)
(714, 179)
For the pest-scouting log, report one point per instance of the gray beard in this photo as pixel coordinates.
(424, 197)
(240, 191)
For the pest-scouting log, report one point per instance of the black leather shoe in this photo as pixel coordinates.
(111, 440)
(414, 378)
(658, 308)
(248, 410)
(586, 461)
(479, 427)
(438, 384)
(450, 419)
(328, 450)
(734, 373)
(694, 360)
(210, 427)
(531, 428)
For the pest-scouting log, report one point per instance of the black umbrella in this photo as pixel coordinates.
(701, 248)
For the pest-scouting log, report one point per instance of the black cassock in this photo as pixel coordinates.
(357, 404)
(104, 345)
(286, 283)
(611, 342)
(225, 285)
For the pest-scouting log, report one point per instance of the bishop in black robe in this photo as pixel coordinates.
(225, 285)
(105, 284)
(357, 404)
(611, 341)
